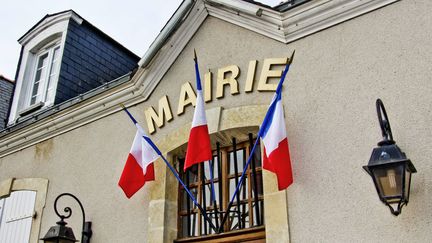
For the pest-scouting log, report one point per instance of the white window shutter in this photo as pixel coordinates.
(16, 216)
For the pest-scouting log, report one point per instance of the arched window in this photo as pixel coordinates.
(45, 74)
(42, 67)
(246, 216)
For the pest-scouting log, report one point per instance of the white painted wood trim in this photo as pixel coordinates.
(46, 23)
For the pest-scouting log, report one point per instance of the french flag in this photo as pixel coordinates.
(139, 166)
(199, 147)
(276, 157)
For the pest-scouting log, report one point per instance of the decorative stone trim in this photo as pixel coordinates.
(224, 120)
(40, 186)
(295, 23)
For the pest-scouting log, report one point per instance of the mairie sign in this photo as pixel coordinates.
(226, 76)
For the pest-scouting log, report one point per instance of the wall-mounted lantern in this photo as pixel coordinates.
(389, 167)
(60, 233)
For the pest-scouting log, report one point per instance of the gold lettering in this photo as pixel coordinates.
(164, 112)
(187, 97)
(208, 87)
(250, 76)
(231, 81)
(267, 73)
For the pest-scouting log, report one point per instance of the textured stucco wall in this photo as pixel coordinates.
(329, 101)
(332, 124)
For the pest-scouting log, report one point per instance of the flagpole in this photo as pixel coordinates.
(213, 194)
(173, 171)
(240, 183)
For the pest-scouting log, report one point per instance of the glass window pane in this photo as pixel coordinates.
(193, 173)
(257, 156)
(206, 165)
(2, 202)
(407, 183)
(52, 75)
(389, 180)
(244, 189)
(230, 163)
(233, 219)
(42, 61)
(40, 75)
(239, 216)
(245, 215)
(56, 53)
(49, 94)
(195, 230)
(215, 167)
(209, 194)
(184, 221)
(194, 192)
(184, 200)
(35, 89)
(232, 187)
(241, 160)
(259, 183)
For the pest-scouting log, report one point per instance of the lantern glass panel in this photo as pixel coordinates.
(389, 182)
(407, 183)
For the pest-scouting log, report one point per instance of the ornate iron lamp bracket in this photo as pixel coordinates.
(86, 226)
(384, 124)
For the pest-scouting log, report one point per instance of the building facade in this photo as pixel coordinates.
(348, 54)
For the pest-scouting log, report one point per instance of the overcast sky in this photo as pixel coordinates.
(133, 23)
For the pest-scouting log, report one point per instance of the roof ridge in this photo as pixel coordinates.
(7, 79)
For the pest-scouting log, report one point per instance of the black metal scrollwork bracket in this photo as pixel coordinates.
(384, 124)
(86, 226)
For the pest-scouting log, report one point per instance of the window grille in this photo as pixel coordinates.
(227, 166)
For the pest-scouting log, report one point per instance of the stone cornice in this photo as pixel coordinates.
(297, 22)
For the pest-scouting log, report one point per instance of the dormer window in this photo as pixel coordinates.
(46, 73)
(62, 57)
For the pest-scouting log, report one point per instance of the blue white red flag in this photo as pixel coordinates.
(276, 156)
(139, 164)
(199, 147)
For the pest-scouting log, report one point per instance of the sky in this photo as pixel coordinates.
(133, 23)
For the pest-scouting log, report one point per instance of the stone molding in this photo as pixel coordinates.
(40, 186)
(163, 207)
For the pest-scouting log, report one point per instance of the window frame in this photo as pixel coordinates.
(247, 198)
(50, 49)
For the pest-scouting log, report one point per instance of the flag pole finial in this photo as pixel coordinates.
(291, 58)
(122, 106)
(195, 56)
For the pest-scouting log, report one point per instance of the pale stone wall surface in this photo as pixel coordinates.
(329, 101)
